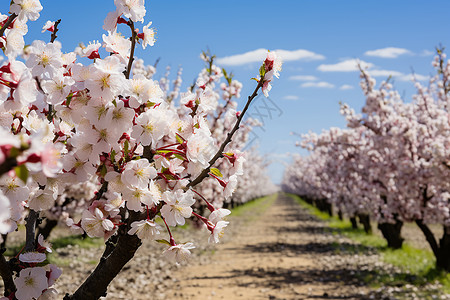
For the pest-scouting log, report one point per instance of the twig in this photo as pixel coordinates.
(30, 230)
(133, 45)
(156, 62)
(101, 191)
(219, 154)
(55, 30)
(7, 165)
(8, 22)
(147, 153)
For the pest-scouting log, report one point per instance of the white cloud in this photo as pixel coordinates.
(259, 55)
(389, 52)
(384, 73)
(281, 155)
(300, 54)
(303, 78)
(411, 77)
(346, 87)
(349, 65)
(397, 75)
(321, 84)
(291, 97)
(427, 53)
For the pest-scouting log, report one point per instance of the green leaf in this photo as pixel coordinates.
(224, 73)
(22, 172)
(126, 147)
(14, 152)
(103, 171)
(164, 242)
(179, 139)
(113, 156)
(68, 99)
(216, 172)
(163, 151)
(178, 156)
(262, 71)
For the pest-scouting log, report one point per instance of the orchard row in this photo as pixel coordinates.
(391, 163)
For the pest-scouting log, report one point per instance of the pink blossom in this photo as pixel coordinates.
(145, 229)
(179, 253)
(32, 257)
(30, 283)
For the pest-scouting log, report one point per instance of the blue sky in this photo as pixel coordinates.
(307, 94)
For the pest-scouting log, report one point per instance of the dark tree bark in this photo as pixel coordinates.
(47, 228)
(443, 260)
(324, 206)
(308, 200)
(392, 233)
(115, 256)
(354, 222)
(364, 220)
(4, 238)
(442, 250)
(7, 276)
(340, 215)
(329, 208)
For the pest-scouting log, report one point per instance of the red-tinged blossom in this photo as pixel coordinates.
(94, 55)
(33, 158)
(121, 20)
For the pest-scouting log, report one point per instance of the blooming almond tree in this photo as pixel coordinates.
(65, 122)
(395, 161)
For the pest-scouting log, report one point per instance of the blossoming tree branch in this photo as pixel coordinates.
(66, 123)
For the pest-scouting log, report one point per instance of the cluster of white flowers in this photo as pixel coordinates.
(392, 161)
(66, 124)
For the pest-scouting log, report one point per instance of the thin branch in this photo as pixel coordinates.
(156, 62)
(101, 191)
(8, 22)
(148, 153)
(219, 153)
(55, 30)
(31, 230)
(7, 276)
(7, 165)
(133, 45)
(429, 236)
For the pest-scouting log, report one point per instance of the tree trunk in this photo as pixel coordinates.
(97, 283)
(324, 206)
(364, 220)
(443, 259)
(442, 250)
(113, 259)
(3, 244)
(340, 216)
(7, 276)
(392, 233)
(307, 200)
(47, 228)
(354, 222)
(329, 208)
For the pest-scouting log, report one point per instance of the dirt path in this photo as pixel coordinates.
(280, 253)
(272, 249)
